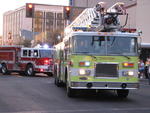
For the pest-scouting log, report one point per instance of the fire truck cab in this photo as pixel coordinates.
(26, 60)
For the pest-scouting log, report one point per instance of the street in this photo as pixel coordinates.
(20, 94)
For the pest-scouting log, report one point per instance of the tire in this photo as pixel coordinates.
(29, 70)
(122, 93)
(70, 92)
(50, 74)
(22, 73)
(57, 82)
(4, 69)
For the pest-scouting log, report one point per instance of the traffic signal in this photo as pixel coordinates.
(29, 10)
(67, 10)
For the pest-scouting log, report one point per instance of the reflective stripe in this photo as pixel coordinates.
(25, 62)
(7, 61)
(41, 67)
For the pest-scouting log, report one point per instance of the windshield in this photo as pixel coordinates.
(46, 53)
(105, 45)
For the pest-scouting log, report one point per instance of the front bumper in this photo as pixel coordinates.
(103, 85)
(42, 68)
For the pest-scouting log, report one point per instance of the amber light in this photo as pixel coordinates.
(127, 64)
(81, 63)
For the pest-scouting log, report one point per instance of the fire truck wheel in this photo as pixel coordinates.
(122, 93)
(70, 92)
(29, 70)
(50, 74)
(57, 82)
(4, 69)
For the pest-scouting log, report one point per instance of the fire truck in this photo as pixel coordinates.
(26, 61)
(97, 53)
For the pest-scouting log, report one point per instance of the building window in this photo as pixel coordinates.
(60, 24)
(49, 15)
(25, 53)
(59, 16)
(71, 2)
(38, 14)
(38, 24)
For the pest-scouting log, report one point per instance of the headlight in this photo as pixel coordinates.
(130, 73)
(84, 72)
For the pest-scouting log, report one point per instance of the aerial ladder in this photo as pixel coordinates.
(99, 18)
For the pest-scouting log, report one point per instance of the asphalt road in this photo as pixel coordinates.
(20, 94)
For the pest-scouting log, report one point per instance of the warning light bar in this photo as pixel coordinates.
(80, 28)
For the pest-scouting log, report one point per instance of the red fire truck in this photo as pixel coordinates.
(26, 60)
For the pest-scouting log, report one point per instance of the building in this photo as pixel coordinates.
(48, 22)
(17, 27)
(143, 19)
(143, 23)
(49, 19)
(91, 3)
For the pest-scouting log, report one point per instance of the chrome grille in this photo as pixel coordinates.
(106, 70)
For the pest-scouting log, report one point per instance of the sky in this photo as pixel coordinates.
(7, 5)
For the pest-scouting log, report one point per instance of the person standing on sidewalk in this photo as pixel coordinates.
(141, 69)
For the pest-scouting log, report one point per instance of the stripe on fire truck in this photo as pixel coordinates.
(41, 66)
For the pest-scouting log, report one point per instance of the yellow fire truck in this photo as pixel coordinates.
(97, 53)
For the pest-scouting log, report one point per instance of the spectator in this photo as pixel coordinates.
(141, 69)
(147, 64)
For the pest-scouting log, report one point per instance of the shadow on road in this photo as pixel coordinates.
(100, 96)
(21, 75)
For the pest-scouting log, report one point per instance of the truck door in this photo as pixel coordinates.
(17, 60)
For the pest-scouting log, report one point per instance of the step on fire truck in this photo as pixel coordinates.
(97, 53)
(26, 61)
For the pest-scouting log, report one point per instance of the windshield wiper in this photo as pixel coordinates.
(94, 57)
(88, 55)
(126, 56)
(121, 55)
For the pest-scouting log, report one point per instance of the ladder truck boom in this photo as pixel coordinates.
(99, 18)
